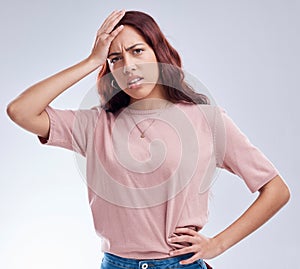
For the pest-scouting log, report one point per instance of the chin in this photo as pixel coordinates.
(139, 93)
(139, 97)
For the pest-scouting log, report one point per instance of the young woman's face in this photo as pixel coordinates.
(134, 65)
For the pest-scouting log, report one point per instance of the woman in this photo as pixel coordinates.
(148, 208)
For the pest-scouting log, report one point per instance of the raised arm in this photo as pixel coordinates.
(28, 109)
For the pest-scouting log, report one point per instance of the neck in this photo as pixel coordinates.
(149, 103)
(155, 100)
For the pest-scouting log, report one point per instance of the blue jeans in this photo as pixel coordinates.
(111, 261)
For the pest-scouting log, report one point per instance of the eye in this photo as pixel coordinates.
(115, 59)
(137, 51)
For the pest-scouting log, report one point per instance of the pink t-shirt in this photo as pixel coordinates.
(141, 189)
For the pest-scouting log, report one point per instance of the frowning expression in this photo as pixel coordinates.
(134, 65)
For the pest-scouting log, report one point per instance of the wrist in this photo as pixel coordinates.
(95, 63)
(219, 244)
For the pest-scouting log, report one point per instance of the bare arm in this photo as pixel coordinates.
(28, 109)
(273, 195)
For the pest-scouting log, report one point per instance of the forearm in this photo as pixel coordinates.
(272, 197)
(33, 101)
(28, 109)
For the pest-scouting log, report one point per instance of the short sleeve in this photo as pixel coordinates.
(71, 129)
(241, 157)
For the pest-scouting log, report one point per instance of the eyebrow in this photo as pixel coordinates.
(131, 47)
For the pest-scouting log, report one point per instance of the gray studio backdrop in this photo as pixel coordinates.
(245, 52)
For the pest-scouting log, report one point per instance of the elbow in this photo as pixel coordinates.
(282, 191)
(278, 191)
(12, 111)
(285, 194)
(16, 112)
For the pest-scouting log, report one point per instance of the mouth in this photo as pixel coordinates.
(134, 82)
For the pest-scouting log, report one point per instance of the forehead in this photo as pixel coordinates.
(126, 38)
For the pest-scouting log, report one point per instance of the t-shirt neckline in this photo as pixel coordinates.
(135, 111)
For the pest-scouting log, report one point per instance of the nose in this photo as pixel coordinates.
(129, 65)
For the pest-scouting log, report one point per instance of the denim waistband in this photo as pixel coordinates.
(139, 263)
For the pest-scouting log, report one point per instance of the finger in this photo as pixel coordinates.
(181, 251)
(103, 27)
(186, 231)
(112, 18)
(178, 246)
(190, 260)
(109, 16)
(107, 20)
(115, 32)
(111, 24)
(182, 238)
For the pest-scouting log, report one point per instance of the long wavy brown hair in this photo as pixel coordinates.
(171, 73)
